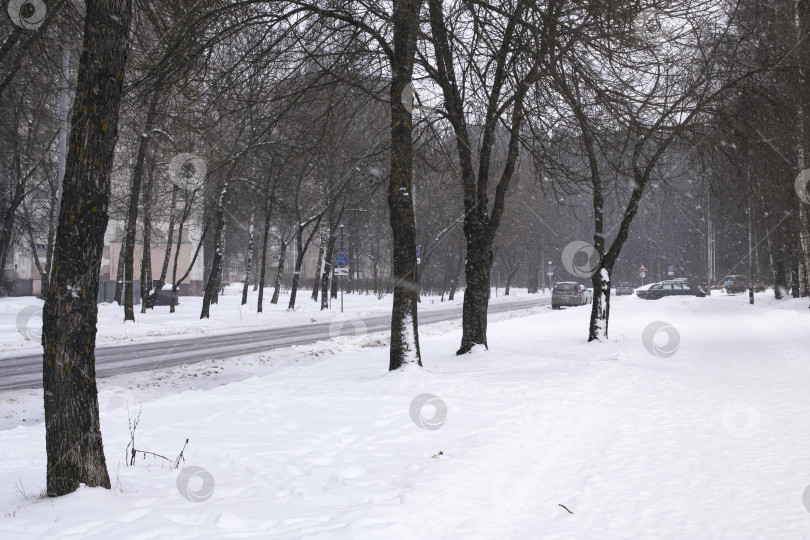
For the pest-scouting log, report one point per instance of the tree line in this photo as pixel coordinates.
(493, 135)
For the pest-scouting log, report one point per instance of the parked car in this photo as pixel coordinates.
(569, 293)
(735, 283)
(623, 287)
(668, 288)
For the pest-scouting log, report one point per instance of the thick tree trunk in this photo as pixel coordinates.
(249, 258)
(212, 285)
(801, 13)
(282, 255)
(73, 442)
(600, 307)
(477, 291)
(404, 348)
(481, 224)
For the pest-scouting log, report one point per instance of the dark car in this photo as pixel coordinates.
(569, 293)
(623, 287)
(669, 288)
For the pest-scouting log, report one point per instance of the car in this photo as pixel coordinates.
(668, 288)
(623, 287)
(570, 293)
(735, 283)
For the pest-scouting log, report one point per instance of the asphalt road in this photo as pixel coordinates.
(26, 371)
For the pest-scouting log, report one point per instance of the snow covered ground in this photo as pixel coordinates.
(696, 431)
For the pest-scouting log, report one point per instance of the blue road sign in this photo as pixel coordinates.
(341, 259)
(418, 250)
(671, 270)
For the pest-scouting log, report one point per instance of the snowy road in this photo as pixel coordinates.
(25, 371)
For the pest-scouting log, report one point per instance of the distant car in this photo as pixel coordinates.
(623, 287)
(668, 288)
(569, 293)
(735, 283)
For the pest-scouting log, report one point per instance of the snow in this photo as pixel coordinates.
(24, 313)
(320, 441)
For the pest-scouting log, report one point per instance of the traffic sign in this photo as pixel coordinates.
(342, 271)
(418, 250)
(671, 270)
(550, 271)
(642, 269)
(642, 274)
(341, 259)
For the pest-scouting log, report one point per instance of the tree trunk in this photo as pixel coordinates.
(212, 285)
(299, 261)
(150, 300)
(780, 286)
(282, 255)
(319, 264)
(218, 287)
(456, 278)
(249, 258)
(132, 215)
(176, 282)
(7, 229)
(803, 102)
(404, 348)
(73, 442)
(146, 258)
(481, 224)
(477, 291)
(302, 246)
(509, 277)
(327, 270)
(265, 237)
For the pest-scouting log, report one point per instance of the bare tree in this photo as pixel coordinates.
(73, 434)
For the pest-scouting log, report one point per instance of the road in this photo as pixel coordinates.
(26, 371)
